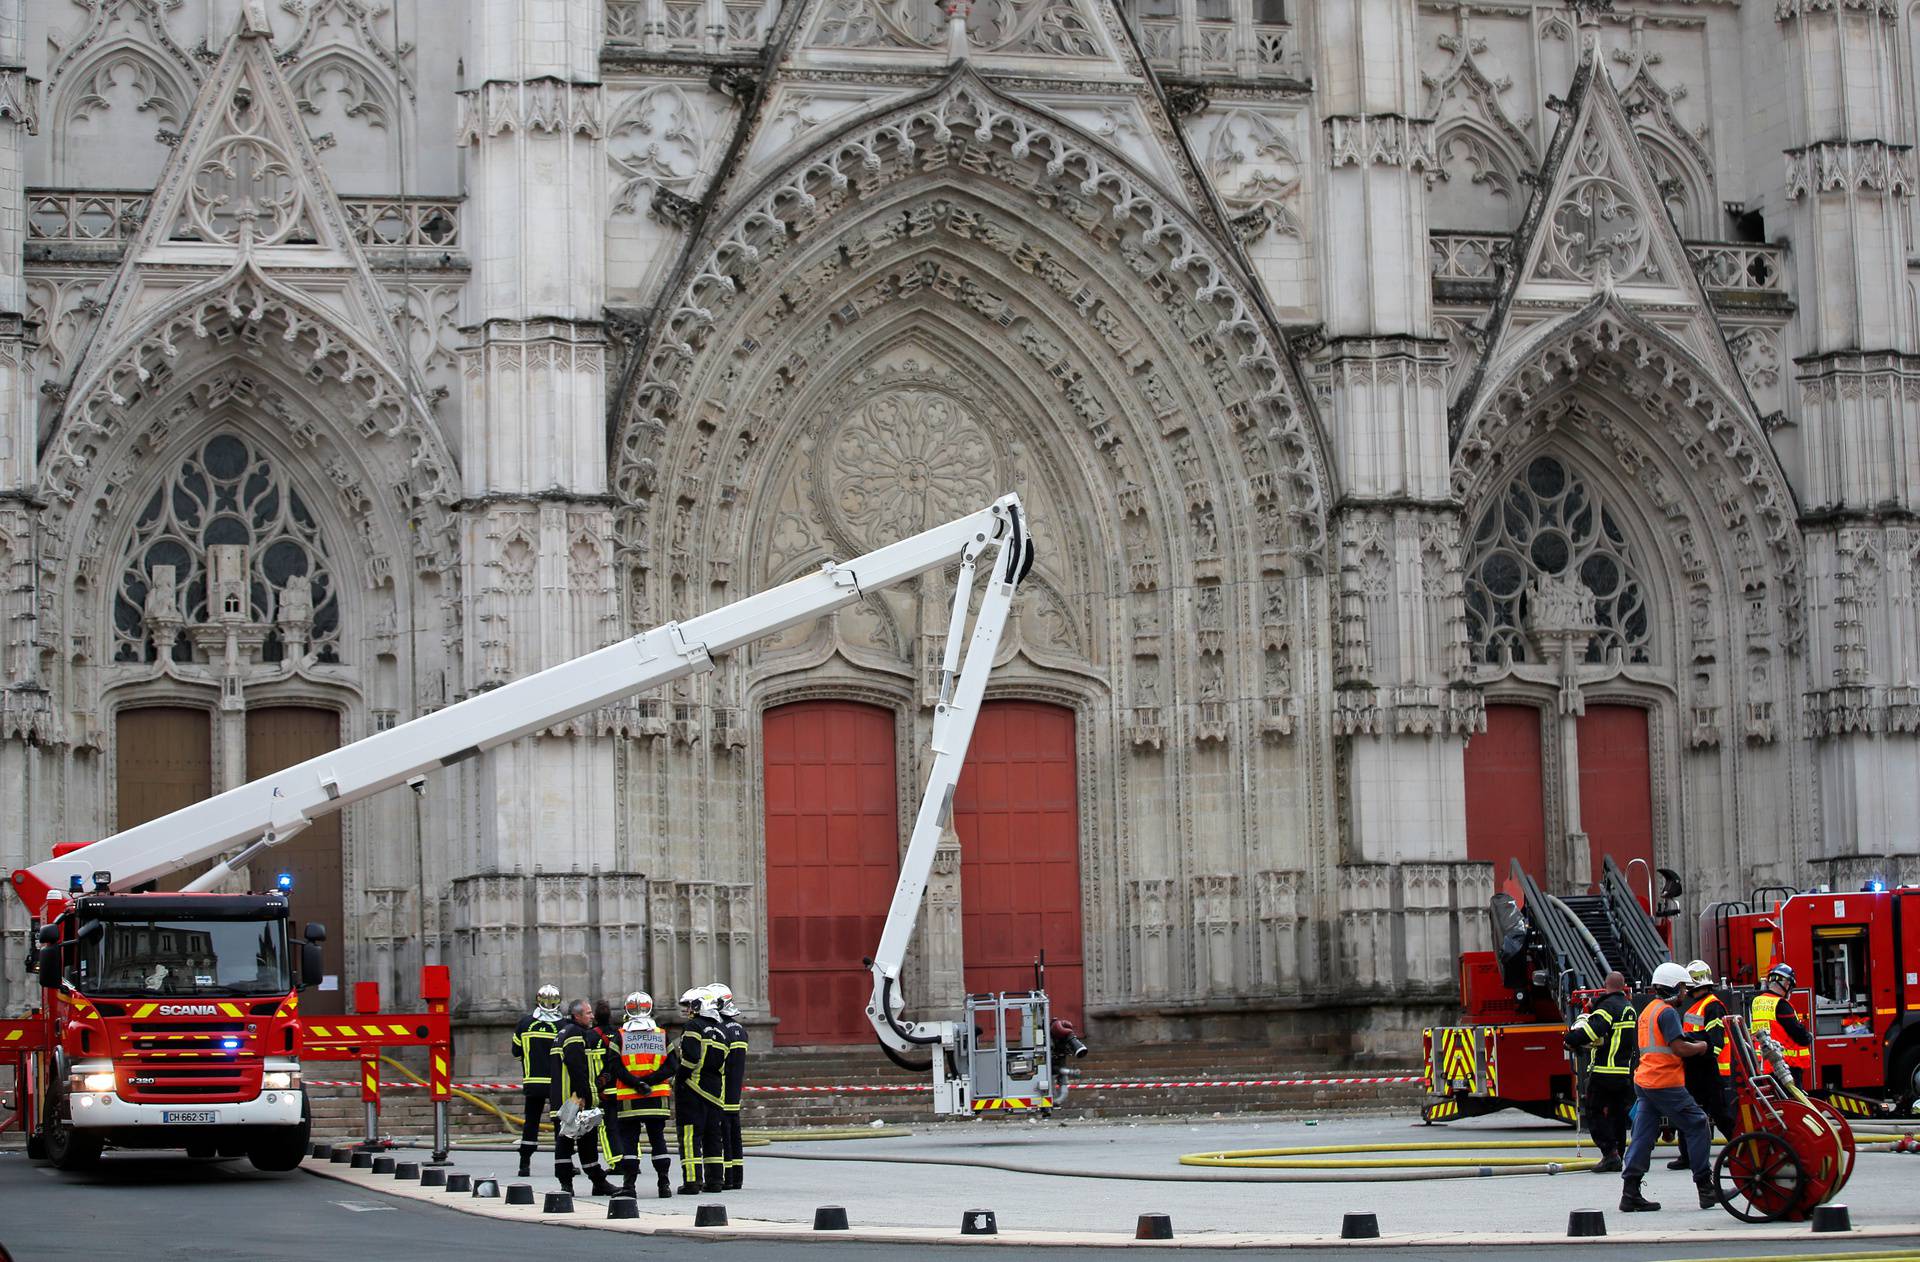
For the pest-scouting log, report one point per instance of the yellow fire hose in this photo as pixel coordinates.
(1334, 1156)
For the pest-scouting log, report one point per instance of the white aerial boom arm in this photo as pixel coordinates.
(241, 823)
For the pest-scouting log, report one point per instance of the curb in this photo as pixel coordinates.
(681, 1226)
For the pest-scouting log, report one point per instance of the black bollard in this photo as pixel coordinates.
(1153, 1227)
(1359, 1227)
(623, 1207)
(557, 1203)
(361, 1160)
(383, 1165)
(1586, 1222)
(341, 1156)
(517, 1193)
(830, 1218)
(433, 1178)
(710, 1216)
(406, 1170)
(1831, 1218)
(459, 1183)
(323, 1151)
(979, 1222)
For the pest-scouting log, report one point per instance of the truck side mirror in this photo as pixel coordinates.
(316, 932)
(311, 965)
(48, 966)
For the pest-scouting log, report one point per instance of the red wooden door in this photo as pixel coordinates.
(1506, 809)
(1616, 785)
(1017, 814)
(833, 854)
(277, 738)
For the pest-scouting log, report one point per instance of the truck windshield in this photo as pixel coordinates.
(186, 957)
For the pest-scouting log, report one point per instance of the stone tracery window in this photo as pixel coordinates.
(1550, 523)
(226, 492)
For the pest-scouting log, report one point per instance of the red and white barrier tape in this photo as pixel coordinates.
(894, 1088)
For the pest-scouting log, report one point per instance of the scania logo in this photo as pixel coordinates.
(187, 1009)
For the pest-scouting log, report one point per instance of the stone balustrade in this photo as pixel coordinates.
(71, 216)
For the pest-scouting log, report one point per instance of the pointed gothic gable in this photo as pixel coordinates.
(244, 191)
(1598, 226)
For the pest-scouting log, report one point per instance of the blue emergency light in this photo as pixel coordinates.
(284, 882)
(230, 1044)
(76, 885)
(1874, 885)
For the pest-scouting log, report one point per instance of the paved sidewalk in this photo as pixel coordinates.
(905, 1187)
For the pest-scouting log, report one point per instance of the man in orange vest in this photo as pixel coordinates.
(1772, 1013)
(1660, 1090)
(1706, 1018)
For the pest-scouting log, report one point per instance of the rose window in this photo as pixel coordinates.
(227, 492)
(1549, 523)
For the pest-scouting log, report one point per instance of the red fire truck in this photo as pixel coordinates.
(168, 1019)
(1551, 954)
(1857, 957)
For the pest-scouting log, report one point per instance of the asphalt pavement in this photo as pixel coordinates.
(157, 1207)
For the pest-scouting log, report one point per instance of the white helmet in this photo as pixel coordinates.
(1670, 976)
(1699, 973)
(640, 1008)
(547, 996)
(691, 1001)
(722, 999)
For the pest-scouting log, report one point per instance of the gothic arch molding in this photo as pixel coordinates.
(163, 95)
(964, 123)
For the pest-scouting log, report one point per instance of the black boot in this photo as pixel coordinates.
(1680, 1163)
(715, 1181)
(689, 1179)
(1608, 1164)
(564, 1173)
(1631, 1202)
(1709, 1194)
(599, 1186)
(736, 1177)
(526, 1161)
(660, 1169)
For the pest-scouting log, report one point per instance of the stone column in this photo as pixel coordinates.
(1849, 176)
(28, 769)
(537, 561)
(1402, 647)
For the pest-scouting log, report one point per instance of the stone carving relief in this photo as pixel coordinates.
(1252, 161)
(117, 82)
(653, 141)
(1597, 231)
(1051, 28)
(1483, 155)
(246, 183)
(904, 461)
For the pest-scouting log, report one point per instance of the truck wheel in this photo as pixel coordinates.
(70, 1149)
(284, 1148)
(1905, 1082)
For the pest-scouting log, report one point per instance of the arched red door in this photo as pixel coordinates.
(833, 854)
(1616, 786)
(1506, 810)
(1017, 814)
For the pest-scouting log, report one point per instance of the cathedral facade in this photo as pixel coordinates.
(1456, 434)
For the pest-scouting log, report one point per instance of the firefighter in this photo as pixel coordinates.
(579, 1058)
(1772, 1013)
(698, 1098)
(643, 1053)
(1706, 1018)
(532, 1043)
(1660, 1089)
(1607, 1031)
(734, 1152)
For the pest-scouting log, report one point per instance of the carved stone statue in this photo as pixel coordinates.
(161, 612)
(296, 613)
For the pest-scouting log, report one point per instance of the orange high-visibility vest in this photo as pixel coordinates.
(1764, 1021)
(1697, 1025)
(642, 1052)
(1659, 1064)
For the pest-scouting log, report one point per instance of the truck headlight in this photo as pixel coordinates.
(280, 1080)
(97, 1082)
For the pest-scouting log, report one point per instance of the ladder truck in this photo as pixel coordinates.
(170, 1019)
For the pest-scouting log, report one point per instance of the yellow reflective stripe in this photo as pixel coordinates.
(231, 1010)
(144, 1009)
(13, 1035)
